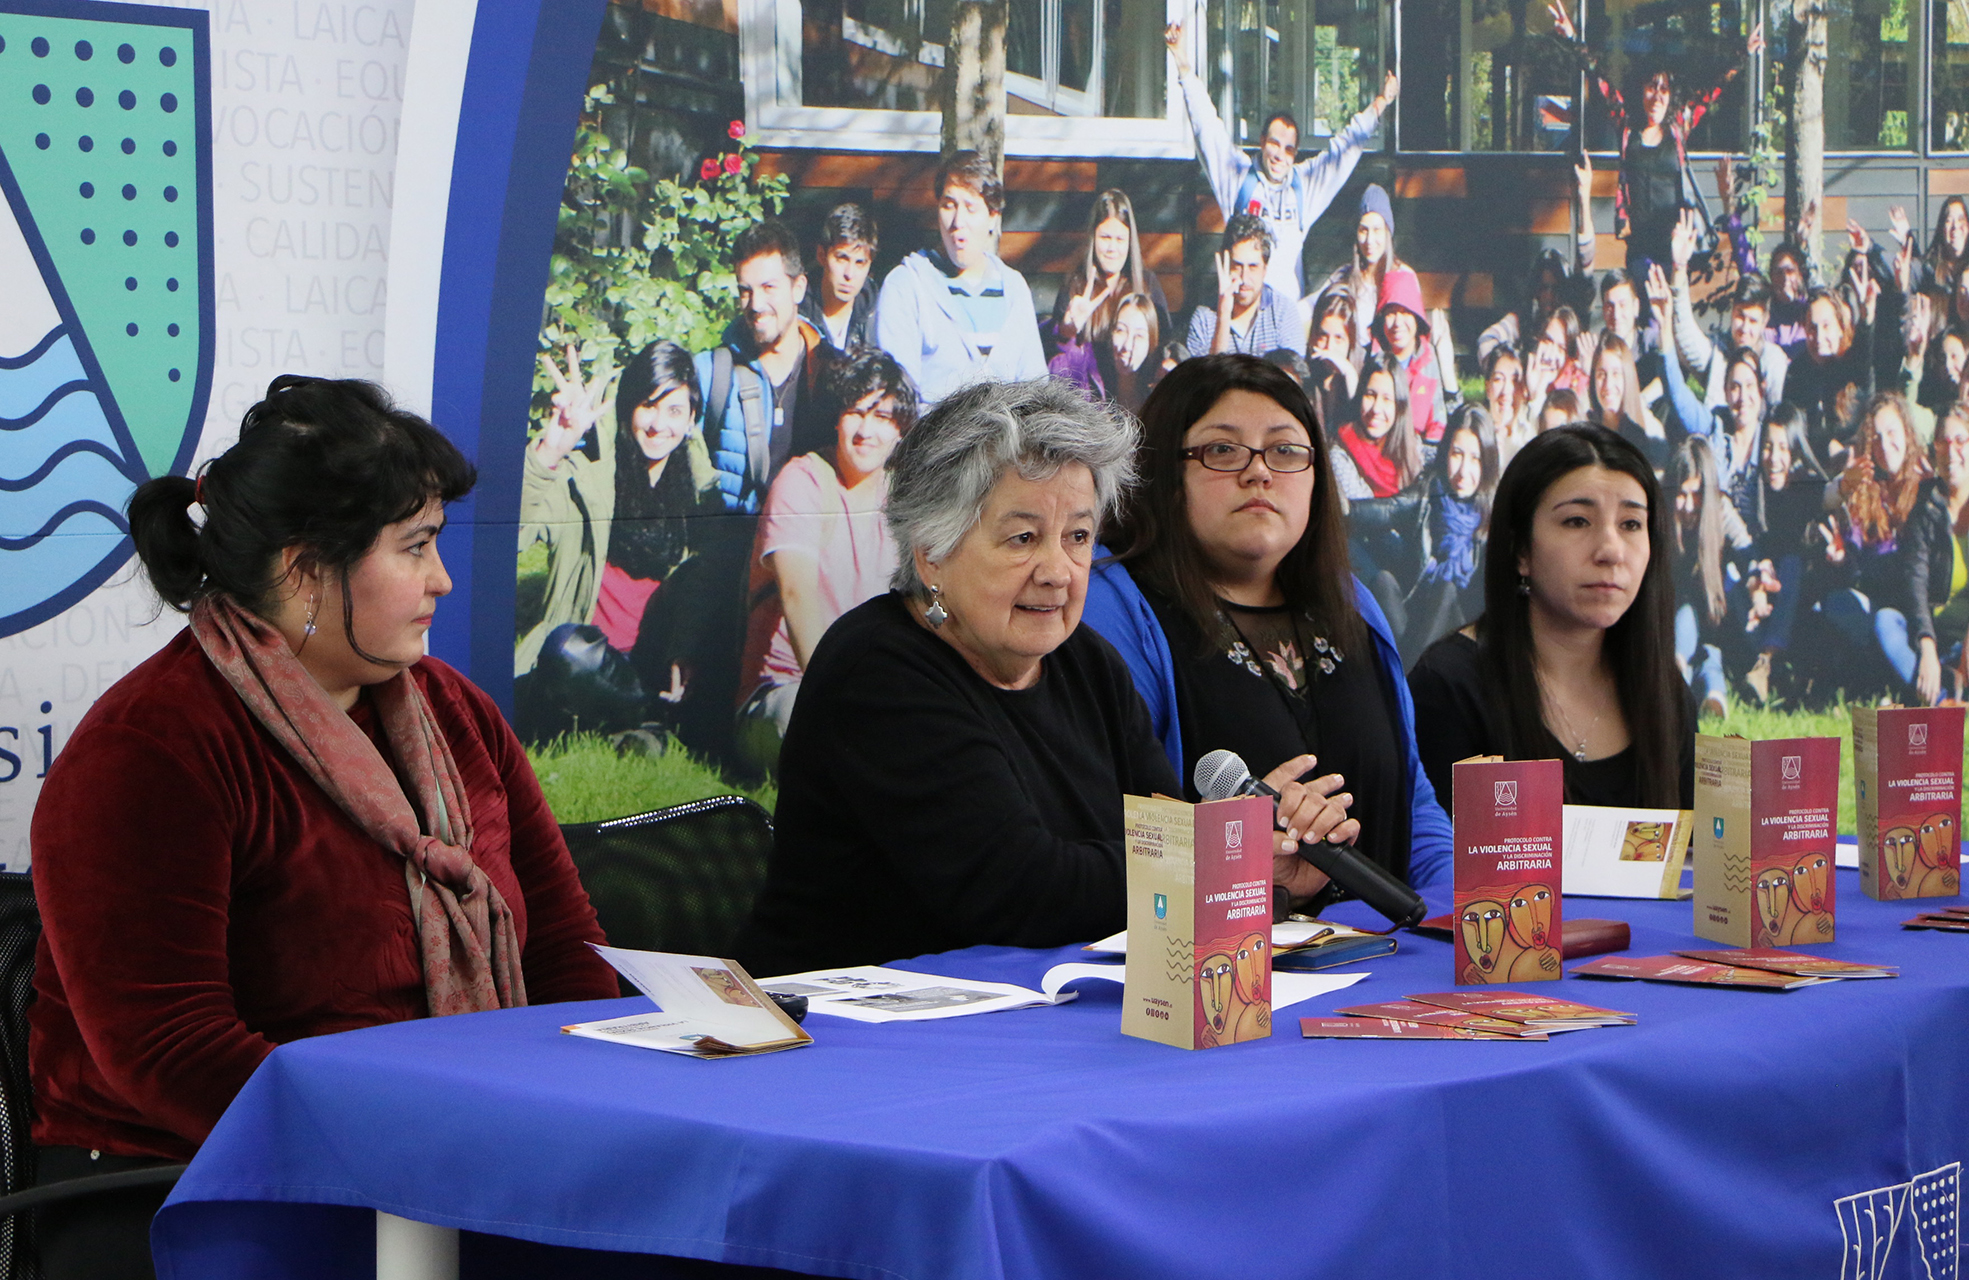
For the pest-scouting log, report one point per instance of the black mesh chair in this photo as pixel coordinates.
(680, 879)
(20, 933)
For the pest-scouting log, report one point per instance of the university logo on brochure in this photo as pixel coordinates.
(1162, 906)
(106, 268)
(1917, 734)
(1719, 828)
(1791, 767)
(1505, 793)
(1234, 835)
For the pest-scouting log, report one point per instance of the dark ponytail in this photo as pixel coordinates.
(166, 538)
(320, 465)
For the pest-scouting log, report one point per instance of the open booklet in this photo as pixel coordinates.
(1625, 853)
(877, 993)
(706, 1008)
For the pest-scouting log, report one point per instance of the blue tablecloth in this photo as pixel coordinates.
(1713, 1139)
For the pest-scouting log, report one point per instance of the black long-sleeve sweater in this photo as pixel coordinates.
(922, 809)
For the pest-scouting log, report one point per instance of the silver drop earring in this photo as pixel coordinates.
(1524, 585)
(307, 630)
(936, 615)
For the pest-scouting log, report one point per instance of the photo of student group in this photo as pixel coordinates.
(1338, 509)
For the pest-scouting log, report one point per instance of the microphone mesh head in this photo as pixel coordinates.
(1220, 775)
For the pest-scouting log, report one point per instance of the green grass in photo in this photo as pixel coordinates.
(586, 781)
(1768, 722)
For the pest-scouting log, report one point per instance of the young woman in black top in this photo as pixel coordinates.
(1274, 650)
(1573, 658)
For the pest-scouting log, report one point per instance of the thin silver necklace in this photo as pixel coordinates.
(1565, 721)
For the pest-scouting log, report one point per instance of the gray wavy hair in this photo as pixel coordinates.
(945, 467)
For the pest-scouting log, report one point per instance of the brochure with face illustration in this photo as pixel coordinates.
(706, 1008)
(1509, 820)
(1199, 920)
(1907, 788)
(1765, 820)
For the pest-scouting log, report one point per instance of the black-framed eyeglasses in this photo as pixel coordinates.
(1229, 455)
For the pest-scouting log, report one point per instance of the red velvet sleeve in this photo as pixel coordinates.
(560, 921)
(133, 872)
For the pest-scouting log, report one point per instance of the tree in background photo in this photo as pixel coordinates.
(618, 488)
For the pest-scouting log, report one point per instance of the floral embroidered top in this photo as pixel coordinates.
(1282, 647)
(1269, 686)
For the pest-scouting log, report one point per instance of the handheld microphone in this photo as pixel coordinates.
(1223, 774)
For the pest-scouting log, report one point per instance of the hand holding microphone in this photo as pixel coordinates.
(1222, 774)
(1308, 811)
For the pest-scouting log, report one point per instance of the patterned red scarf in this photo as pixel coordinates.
(1376, 467)
(468, 944)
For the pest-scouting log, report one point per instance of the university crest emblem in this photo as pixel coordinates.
(106, 265)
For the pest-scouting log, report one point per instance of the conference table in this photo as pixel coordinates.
(1730, 1133)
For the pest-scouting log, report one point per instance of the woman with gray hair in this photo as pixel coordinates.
(953, 772)
(954, 768)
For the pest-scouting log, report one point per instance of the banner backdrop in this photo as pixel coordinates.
(194, 202)
(748, 300)
(577, 185)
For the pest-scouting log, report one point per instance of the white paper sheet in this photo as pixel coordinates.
(877, 993)
(671, 1033)
(1288, 989)
(1596, 861)
(1289, 933)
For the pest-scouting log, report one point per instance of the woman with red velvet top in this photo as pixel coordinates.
(287, 822)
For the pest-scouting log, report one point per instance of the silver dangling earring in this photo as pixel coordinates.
(936, 615)
(1524, 585)
(307, 631)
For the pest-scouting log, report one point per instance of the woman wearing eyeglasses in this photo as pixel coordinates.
(1232, 603)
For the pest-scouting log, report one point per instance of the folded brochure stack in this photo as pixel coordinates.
(1767, 968)
(1464, 1015)
(1947, 919)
